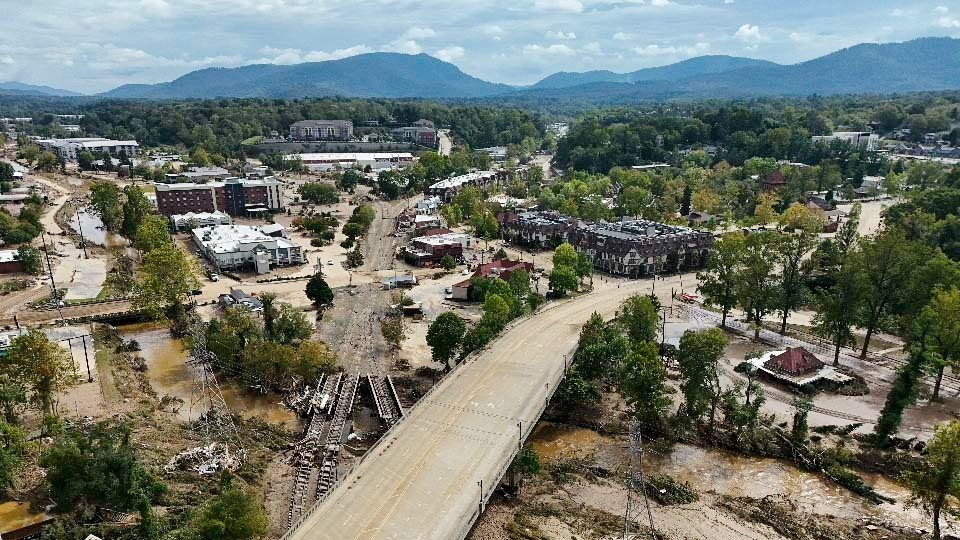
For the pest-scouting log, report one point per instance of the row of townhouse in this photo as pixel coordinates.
(234, 196)
(632, 247)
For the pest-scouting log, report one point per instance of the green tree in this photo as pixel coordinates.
(485, 224)
(497, 311)
(234, 514)
(886, 262)
(563, 279)
(757, 281)
(802, 406)
(644, 385)
(639, 317)
(574, 391)
(43, 366)
(565, 255)
(135, 209)
(393, 331)
(100, 469)
(12, 449)
(699, 358)
(166, 278)
(906, 386)
(944, 314)
(152, 232)
(47, 162)
(936, 484)
(836, 310)
(354, 258)
(318, 291)
(447, 263)
(445, 336)
(85, 160)
(200, 157)
(32, 264)
(283, 323)
(105, 202)
(795, 268)
(318, 193)
(718, 281)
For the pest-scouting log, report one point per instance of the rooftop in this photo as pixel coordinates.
(187, 186)
(237, 238)
(458, 181)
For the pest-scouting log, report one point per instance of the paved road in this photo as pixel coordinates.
(421, 481)
(445, 144)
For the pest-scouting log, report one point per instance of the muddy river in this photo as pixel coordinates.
(733, 475)
(169, 374)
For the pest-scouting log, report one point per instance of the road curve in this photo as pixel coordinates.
(422, 480)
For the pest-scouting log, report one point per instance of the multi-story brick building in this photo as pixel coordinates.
(234, 196)
(536, 229)
(321, 130)
(637, 248)
(427, 250)
(422, 135)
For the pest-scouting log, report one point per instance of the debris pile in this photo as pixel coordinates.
(206, 459)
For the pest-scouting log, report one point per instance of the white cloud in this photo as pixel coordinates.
(661, 3)
(493, 31)
(418, 32)
(727, 1)
(592, 48)
(157, 8)
(7, 60)
(948, 22)
(289, 56)
(622, 36)
(672, 50)
(406, 46)
(568, 6)
(449, 54)
(560, 34)
(941, 9)
(801, 37)
(557, 49)
(749, 33)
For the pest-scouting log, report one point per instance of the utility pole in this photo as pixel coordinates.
(83, 243)
(49, 266)
(635, 476)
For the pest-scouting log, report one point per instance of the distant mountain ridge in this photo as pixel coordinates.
(389, 75)
(925, 64)
(24, 89)
(701, 65)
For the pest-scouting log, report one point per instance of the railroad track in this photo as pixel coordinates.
(321, 404)
(385, 398)
(331, 450)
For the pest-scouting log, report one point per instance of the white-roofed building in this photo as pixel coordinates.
(193, 220)
(345, 160)
(447, 189)
(69, 149)
(236, 247)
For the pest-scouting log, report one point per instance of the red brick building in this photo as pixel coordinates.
(235, 196)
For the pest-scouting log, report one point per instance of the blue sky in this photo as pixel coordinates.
(95, 45)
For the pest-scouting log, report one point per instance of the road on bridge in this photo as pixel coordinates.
(422, 480)
(82, 311)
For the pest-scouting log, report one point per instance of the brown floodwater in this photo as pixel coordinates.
(734, 475)
(93, 231)
(169, 374)
(15, 515)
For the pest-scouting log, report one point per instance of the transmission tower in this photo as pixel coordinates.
(215, 423)
(637, 500)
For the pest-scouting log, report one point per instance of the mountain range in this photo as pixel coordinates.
(19, 88)
(925, 64)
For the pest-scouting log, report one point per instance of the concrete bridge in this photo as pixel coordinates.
(430, 476)
(109, 311)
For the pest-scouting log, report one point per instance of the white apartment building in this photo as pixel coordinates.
(69, 149)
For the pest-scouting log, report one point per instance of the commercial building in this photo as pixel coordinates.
(236, 247)
(69, 149)
(448, 189)
(539, 229)
(422, 135)
(321, 130)
(346, 160)
(428, 250)
(191, 220)
(200, 174)
(638, 247)
(234, 196)
(856, 138)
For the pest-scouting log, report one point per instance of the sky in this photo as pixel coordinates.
(95, 45)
